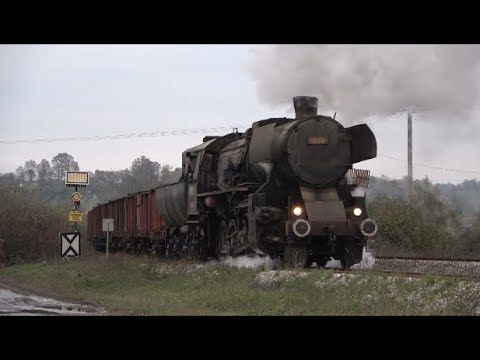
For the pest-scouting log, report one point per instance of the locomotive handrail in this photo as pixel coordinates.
(358, 177)
(252, 184)
(218, 192)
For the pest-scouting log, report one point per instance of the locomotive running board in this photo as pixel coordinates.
(218, 192)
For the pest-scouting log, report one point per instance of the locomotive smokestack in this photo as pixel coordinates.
(305, 106)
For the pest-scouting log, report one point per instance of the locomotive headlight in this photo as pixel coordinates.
(297, 211)
(357, 211)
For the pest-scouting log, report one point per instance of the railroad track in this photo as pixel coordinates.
(393, 272)
(414, 266)
(411, 273)
(425, 258)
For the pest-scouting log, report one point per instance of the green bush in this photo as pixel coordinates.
(423, 224)
(471, 237)
(29, 227)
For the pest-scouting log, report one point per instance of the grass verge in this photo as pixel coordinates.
(148, 286)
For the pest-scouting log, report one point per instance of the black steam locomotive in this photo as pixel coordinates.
(284, 187)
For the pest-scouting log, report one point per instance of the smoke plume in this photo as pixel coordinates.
(363, 80)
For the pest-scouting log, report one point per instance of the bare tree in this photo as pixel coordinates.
(30, 170)
(62, 163)
(21, 174)
(44, 171)
(146, 173)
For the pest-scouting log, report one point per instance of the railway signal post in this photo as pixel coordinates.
(76, 179)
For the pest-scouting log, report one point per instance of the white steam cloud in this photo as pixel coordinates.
(256, 261)
(363, 80)
(368, 262)
(267, 263)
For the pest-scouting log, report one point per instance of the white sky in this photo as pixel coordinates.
(54, 91)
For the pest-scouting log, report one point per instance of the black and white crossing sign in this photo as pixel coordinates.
(70, 244)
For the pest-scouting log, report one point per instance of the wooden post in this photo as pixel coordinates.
(410, 167)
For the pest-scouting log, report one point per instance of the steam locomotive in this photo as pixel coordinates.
(284, 188)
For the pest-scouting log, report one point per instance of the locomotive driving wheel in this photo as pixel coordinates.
(223, 241)
(237, 232)
(321, 262)
(347, 261)
(243, 231)
(232, 233)
(348, 258)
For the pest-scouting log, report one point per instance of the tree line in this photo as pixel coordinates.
(34, 205)
(434, 222)
(34, 201)
(47, 178)
(463, 197)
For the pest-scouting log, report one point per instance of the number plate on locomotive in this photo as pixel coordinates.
(317, 140)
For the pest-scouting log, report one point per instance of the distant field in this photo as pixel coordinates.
(148, 286)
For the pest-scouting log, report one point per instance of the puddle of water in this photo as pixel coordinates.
(12, 304)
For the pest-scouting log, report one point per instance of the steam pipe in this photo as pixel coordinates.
(267, 166)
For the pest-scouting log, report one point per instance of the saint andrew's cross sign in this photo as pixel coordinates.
(70, 244)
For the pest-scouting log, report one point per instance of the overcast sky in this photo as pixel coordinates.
(67, 91)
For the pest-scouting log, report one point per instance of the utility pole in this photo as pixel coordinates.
(410, 167)
(76, 207)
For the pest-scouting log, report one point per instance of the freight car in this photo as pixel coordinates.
(137, 224)
(285, 187)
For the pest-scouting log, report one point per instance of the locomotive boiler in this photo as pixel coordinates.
(285, 187)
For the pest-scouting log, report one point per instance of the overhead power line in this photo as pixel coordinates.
(128, 136)
(188, 132)
(430, 166)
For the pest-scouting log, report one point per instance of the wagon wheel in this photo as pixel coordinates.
(243, 231)
(200, 248)
(346, 261)
(169, 249)
(308, 262)
(348, 258)
(321, 262)
(232, 233)
(345, 265)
